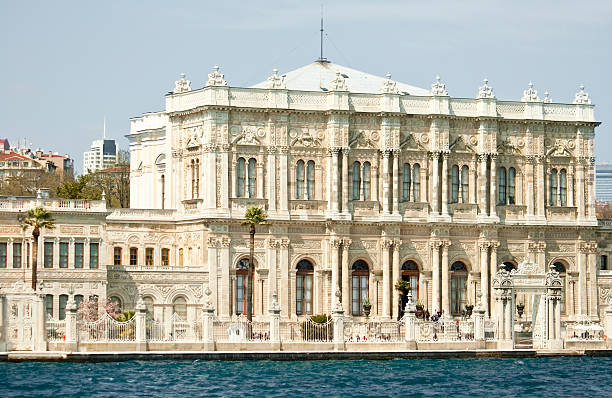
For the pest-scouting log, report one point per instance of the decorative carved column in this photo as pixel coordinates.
(395, 309)
(583, 249)
(272, 265)
(435, 182)
(212, 269)
(540, 192)
(570, 184)
(445, 184)
(211, 177)
(346, 274)
(493, 200)
(482, 184)
(435, 275)
(284, 278)
(396, 182)
(334, 245)
(224, 294)
(493, 271)
(375, 177)
(386, 271)
(271, 196)
(473, 190)
(484, 275)
(345, 179)
(593, 288)
(445, 278)
(284, 187)
(71, 253)
(591, 187)
(334, 189)
(385, 175)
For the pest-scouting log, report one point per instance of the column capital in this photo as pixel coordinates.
(346, 150)
(284, 243)
(346, 243)
(271, 150)
(445, 244)
(484, 246)
(273, 243)
(211, 242)
(335, 243)
(493, 157)
(435, 244)
(397, 244)
(283, 150)
(386, 243)
(225, 241)
(434, 155)
(482, 157)
(387, 153)
(445, 155)
(334, 150)
(493, 245)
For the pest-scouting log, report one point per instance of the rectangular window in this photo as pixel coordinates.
(165, 256)
(133, 256)
(458, 293)
(117, 256)
(303, 304)
(63, 300)
(16, 255)
(240, 296)
(78, 255)
(48, 255)
(3, 255)
(604, 262)
(49, 305)
(149, 256)
(63, 256)
(93, 255)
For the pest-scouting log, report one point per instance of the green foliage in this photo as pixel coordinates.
(255, 216)
(38, 218)
(320, 318)
(403, 286)
(84, 187)
(125, 316)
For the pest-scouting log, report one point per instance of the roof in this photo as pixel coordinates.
(12, 156)
(318, 76)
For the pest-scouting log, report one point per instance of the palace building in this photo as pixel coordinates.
(366, 181)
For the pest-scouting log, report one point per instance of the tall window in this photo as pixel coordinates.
(165, 256)
(163, 190)
(240, 173)
(356, 180)
(16, 255)
(133, 256)
(63, 255)
(117, 256)
(410, 273)
(49, 305)
(501, 178)
(193, 183)
(48, 260)
(149, 256)
(299, 180)
(406, 182)
(458, 287)
(454, 184)
(116, 300)
(78, 299)
(242, 272)
(181, 259)
(310, 179)
(149, 304)
(252, 177)
(465, 184)
(78, 255)
(560, 268)
(360, 278)
(563, 187)
(179, 307)
(94, 250)
(416, 182)
(552, 198)
(511, 185)
(366, 177)
(303, 288)
(3, 251)
(197, 178)
(63, 300)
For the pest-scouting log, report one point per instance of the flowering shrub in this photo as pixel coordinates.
(90, 310)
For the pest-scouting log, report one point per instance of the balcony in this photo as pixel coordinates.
(239, 205)
(463, 211)
(300, 207)
(414, 210)
(560, 213)
(511, 212)
(72, 205)
(364, 208)
(191, 206)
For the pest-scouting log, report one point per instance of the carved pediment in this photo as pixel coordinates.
(409, 142)
(461, 146)
(363, 139)
(507, 148)
(305, 138)
(248, 136)
(560, 149)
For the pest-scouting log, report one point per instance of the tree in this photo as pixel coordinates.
(603, 210)
(90, 311)
(83, 187)
(254, 216)
(37, 218)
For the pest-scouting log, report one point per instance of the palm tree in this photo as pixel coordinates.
(253, 216)
(37, 218)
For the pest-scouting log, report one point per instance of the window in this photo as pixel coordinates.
(242, 270)
(501, 178)
(149, 256)
(552, 199)
(252, 177)
(604, 262)
(117, 256)
(181, 257)
(406, 182)
(197, 179)
(299, 180)
(3, 254)
(356, 180)
(360, 278)
(240, 173)
(303, 288)
(560, 268)
(563, 188)
(165, 257)
(458, 287)
(78, 255)
(133, 256)
(148, 301)
(454, 184)
(63, 255)
(416, 182)
(78, 299)
(410, 272)
(93, 255)
(179, 307)
(63, 300)
(49, 305)
(163, 190)
(511, 184)
(465, 184)
(94, 299)
(48, 260)
(509, 266)
(16, 255)
(310, 179)
(116, 300)
(366, 176)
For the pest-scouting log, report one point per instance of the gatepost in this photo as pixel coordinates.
(338, 321)
(208, 315)
(410, 323)
(608, 323)
(71, 325)
(275, 323)
(2, 325)
(141, 325)
(479, 323)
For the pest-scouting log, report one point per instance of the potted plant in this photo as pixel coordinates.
(468, 309)
(520, 307)
(367, 306)
(419, 306)
(402, 286)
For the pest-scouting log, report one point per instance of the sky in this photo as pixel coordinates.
(66, 65)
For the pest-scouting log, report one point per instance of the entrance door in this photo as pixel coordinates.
(19, 324)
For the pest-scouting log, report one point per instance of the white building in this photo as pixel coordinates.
(102, 155)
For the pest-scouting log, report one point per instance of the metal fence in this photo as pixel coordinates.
(107, 329)
(56, 329)
(383, 331)
(307, 331)
(240, 330)
(453, 330)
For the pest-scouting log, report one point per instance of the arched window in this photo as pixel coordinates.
(116, 300)
(252, 178)
(179, 307)
(406, 183)
(454, 184)
(410, 273)
(501, 178)
(458, 287)
(165, 256)
(560, 268)
(563, 187)
(360, 279)
(552, 198)
(465, 184)
(163, 190)
(310, 179)
(242, 273)
(509, 266)
(366, 176)
(240, 173)
(197, 178)
(303, 288)
(181, 258)
(416, 182)
(299, 180)
(356, 180)
(511, 185)
(148, 302)
(192, 178)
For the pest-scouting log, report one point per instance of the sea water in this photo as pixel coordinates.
(554, 377)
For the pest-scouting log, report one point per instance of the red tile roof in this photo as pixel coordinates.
(12, 156)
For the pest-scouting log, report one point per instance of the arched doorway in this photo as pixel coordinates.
(303, 288)
(242, 274)
(560, 268)
(360, 284)
(410, 274)
(458, 296)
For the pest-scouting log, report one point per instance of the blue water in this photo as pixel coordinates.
(576, 376)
